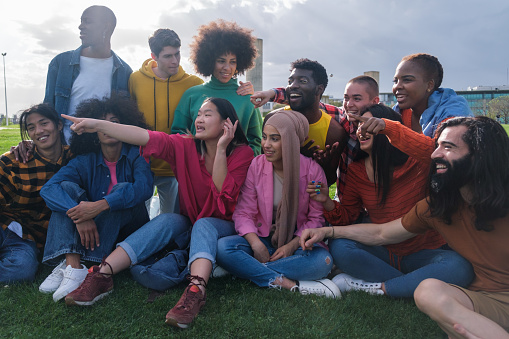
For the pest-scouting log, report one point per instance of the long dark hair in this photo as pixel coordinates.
(489, 183)
(225, 110)
(46, 110)
(124, 109)
(385, 156)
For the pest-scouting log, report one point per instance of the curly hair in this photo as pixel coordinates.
(430, 65)
(124, 109)
(319, 72)
(46, 110)
(161, 38)
(489, 178)
(218, 38)
(385, 156)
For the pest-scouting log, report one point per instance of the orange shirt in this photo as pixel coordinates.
(488, 252)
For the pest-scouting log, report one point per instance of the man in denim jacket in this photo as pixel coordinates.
(91, 71)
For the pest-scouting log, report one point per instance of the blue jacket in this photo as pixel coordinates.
(91, 173)
(442, 104)
(65, 68)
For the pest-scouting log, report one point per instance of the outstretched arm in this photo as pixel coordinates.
(129, 134)
(391, 232)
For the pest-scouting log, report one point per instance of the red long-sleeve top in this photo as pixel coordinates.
(408, 187)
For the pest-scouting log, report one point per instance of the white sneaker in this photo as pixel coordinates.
(218, 272)
(73, 277)
(53, 281)
(348, 283)
(324, 287)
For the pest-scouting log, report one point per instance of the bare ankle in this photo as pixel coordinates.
(285, 283)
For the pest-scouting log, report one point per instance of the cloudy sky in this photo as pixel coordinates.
(347, 36)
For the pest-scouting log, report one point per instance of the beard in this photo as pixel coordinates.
(458, 174)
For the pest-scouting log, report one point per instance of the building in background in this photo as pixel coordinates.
(374, 74)
(255, 74)
(478, 98)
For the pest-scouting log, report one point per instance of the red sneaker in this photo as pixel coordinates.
(189, 305)
(95, 287)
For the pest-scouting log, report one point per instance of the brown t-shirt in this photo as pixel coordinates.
(488, 252)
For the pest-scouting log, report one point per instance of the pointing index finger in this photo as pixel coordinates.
(357, 117)
(68, 117)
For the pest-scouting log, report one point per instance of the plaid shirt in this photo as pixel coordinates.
(20, 185)
(352, 147)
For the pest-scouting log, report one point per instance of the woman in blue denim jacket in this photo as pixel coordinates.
(97, 198)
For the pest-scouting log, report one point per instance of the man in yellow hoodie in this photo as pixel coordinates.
(157, 87)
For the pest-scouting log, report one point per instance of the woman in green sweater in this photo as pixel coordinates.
(221, 50)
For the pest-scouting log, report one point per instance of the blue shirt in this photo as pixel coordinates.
(65, 68)
(91, 173)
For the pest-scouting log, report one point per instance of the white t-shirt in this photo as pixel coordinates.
(94, 81)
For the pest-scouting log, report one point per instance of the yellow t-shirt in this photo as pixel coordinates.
(318, 130)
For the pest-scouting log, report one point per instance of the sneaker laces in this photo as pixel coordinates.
(191, 298)
(88, 282)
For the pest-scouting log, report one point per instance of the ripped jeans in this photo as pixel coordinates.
(235, 255)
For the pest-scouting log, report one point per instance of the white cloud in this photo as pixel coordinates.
(348, 37)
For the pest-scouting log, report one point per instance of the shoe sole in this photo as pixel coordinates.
(70, 301)
(175, 323)
(47, 291)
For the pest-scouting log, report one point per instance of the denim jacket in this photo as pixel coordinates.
(65, 68)
(91, 173)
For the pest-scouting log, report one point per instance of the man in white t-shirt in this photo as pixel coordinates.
(91, 71)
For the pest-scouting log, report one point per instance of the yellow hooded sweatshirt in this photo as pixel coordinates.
(157, 100)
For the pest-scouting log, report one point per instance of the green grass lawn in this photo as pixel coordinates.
(234, 309)
(8, 137)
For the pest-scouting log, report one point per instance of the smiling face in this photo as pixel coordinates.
(209, 123)
(44, 133)
(451, 162)
(302, 89)
(366, 142)
(412, 87)
(168, 62)
(93, 27)
(271, 144)
(451, 147)
(105, 139)
(356, 98)
(225, 67)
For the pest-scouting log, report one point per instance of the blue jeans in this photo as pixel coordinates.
(236, 256)
(18, 258)
(206, 233)
(156, 235)
(373, 264)
(63, 236)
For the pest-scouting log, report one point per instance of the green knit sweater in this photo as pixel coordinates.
(249, 117)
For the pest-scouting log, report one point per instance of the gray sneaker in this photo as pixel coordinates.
(218, 272)
(53, 281)
(348, 283)
(73, 277)
(323, 287)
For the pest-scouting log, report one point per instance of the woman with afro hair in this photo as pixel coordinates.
(97, 198)
(221, 50)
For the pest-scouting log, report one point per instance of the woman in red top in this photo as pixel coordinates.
(387, 183)
(210, 169)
